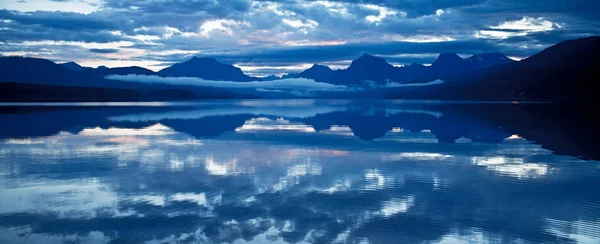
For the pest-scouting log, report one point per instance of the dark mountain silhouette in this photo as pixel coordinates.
(415, 73)
(481, 61)
(270, 77)
(206, 68)
(365, 68)
(73, 66)
(450, 63)
(291, 75)
(370, 68)
(133, 70)
(320, 73)
(567, 53)
(36, 70)
(565, 71)
(378, 70)
(104, 71)
(35, 79)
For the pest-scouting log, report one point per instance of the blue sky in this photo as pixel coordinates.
(276, 37)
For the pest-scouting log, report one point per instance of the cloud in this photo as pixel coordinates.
(296, 184)
(301, 84)
(60, 20)
(105, 50)
(290, 32)
(521, 27)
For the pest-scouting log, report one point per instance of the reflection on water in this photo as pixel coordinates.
(289, 172)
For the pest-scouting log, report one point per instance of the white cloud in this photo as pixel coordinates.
(81, 6)
(521, 27)
(383, 12)
(154, 130)
(300, 24)
(526, 24)
(220, 26)
(395, 206)
(266, 124)
(272, 7)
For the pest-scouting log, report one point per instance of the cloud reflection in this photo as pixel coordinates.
(266, 124)
(114, 183)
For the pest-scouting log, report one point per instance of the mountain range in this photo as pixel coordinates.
(563, 71)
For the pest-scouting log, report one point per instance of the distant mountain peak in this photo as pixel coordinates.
(490, 55)
(319, 66)
(480, 61)
(71, 63)
(450, 63)
(72, 66)
(317, 72)
(366, 56)
(203, 60)
(445, 58)
(206, 68)
(369, 60)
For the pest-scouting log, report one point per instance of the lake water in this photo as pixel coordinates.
(298, 171)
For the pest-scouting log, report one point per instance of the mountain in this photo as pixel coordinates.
(378, 70)
(42, 71)
(133, 70)
(481, 61)
(72, 66)
(318, 73)
(566, 71)
(361, 71)
(35, 79)
(571, 53)
(35, 70)
(102, 70)
(370, 68)
(206, 68)
(269, 78)
(450, 63)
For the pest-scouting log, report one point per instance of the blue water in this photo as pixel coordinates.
(297, 171)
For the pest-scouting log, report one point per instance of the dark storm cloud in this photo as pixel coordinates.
(33, 33)
(59, 20)
(107, 50)
(182, 7)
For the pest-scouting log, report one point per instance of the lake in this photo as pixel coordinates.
(299, 171)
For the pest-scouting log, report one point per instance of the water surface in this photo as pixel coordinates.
(298, 171)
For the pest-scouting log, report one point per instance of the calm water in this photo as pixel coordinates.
(298, 171)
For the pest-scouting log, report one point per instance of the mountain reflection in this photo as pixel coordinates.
(349, 173)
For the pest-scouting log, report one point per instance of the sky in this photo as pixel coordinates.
(277, 37)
